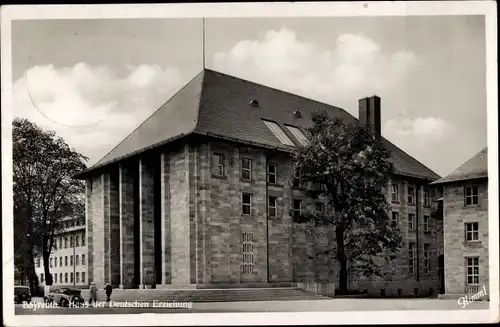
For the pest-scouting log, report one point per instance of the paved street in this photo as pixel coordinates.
(272, 306)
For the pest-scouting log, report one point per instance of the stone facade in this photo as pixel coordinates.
(207, 238)
(456, 215)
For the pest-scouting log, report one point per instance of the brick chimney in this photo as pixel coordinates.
(369, 114)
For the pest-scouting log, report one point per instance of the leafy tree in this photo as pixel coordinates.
(347, 165)
(44, 192)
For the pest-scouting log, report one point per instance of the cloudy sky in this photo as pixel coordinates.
(94, 81)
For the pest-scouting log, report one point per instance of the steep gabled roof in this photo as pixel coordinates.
(221, 105)
(475, 167)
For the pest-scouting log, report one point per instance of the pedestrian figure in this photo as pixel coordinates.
(109, 290)
(93, 293)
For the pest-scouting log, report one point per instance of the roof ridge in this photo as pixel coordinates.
(457, 175)
(279, 90)
(149, 117)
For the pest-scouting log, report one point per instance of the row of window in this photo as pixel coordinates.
(53, 261)
(73, 222)
(60, 280)
(411, 195)
(62, 242)
(247, 167)
(412, 221)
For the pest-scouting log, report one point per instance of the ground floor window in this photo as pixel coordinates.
(55, 278)
(248, 255)
(472, 270)
(411, 258)
(427, 264)
(77, 277)
(83, 277)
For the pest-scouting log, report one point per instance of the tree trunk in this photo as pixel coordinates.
(33, 279)
(46, 266)
(339, 231)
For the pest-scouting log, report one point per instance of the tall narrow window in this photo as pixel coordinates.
(77, 277)
(246, 203)
(83, 277)
(411, 221)
(77, 240)
(278, 132)
(427, 261)
(65, 277)
(411, 195)
(65, 242)
(472, 231)
(297, 178)
(271, 173)
(83, 239)
(248, 255)
(50, 264)
(55, 262)
(471, 196)
(297, 133)
(83, 259)
(55, 278)
(70, 260)
(297, 208)
(71, 278)
(219, 168)
(60, 278)
(41, 277)
(272, 206)
(246, 169)
(395, 193)
(411, 258)
(472, 270)
(60, 261)
(71, 244)
(426, 198)
(65, 260)
(395, 219)
(427, 224)
(77, 260)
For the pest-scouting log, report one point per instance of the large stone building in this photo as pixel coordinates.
(68, 260)
(465, 215)
(201, 194)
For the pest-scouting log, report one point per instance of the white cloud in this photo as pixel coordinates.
(357, 66)
(435, 128)
(426, 138)
(91, 107)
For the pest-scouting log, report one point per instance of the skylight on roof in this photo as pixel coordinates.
(278, 132)
(297, 133)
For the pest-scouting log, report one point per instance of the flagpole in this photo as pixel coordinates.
(203, 41)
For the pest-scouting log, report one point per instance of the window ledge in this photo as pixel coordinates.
(275, 184)
(219, 176)
(247, 180)
(472, 242)
(471, 206)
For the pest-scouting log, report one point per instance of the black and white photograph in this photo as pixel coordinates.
(250, 163)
